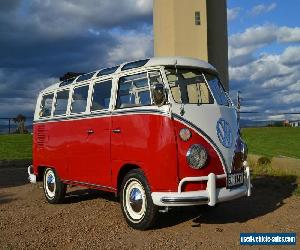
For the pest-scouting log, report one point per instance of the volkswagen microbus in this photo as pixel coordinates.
(158, 133)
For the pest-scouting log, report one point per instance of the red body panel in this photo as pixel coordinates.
(149, 141)
(213, 164)
(75, 154)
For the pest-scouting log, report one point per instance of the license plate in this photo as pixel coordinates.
(234, 180)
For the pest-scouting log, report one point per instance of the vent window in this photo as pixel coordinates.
(85, 77)
(135, 64)
(107, 71)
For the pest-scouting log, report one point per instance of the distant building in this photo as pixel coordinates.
(193, 28)
(295, 123)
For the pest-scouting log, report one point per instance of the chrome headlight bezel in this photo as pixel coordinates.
(196, 156)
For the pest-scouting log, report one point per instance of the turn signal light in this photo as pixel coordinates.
(185, 134)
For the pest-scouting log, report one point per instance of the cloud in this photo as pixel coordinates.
(131, 47)
(261, 35)
(64, 17)
(291, 56)
(41, 40)
(243, 45)
(261, 8)
(7, 6)
(233, 13)
(269, 83)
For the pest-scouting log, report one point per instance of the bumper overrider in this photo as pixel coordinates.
(31, 175)
(210, 196)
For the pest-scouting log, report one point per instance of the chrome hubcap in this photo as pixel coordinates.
(136, 200)
(50, 184)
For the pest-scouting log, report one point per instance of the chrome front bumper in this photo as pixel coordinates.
(31, 176)
(210, 196)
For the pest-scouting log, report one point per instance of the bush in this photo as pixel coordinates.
(297, 191)
(264, 160)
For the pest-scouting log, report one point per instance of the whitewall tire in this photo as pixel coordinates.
(54, 189)
(136, 201)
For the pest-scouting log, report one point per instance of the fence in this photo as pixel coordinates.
(8, 126)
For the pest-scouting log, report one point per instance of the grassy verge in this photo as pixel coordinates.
(15, 147)
(271, 142)
(287, 175)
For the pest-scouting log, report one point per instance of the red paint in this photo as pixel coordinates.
(148, 141)
(213, 164)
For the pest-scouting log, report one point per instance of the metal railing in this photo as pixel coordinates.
(8, 126)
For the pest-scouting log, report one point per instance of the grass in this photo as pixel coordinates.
(283, 141)
(297, 191)
(15, 147)
(287, 176)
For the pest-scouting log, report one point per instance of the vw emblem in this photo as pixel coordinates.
(224, 133)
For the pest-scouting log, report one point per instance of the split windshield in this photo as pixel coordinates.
(190, 86)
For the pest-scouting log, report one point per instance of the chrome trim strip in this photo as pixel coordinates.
(102, 114)
(88, 184)
(138, 111)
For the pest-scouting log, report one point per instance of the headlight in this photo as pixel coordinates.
(196, 156)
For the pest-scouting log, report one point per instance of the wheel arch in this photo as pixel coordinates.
(41, 169)
(122, 173)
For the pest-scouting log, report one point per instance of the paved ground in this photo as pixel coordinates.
(93, 220)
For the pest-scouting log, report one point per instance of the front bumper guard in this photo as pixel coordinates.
(31, 175)
(210, 196)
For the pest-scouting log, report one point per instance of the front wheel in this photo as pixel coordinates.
(136, 201)
(54, 189)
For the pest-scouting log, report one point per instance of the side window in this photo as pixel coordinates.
(133, 91)
(61, 102)
(79, 99)
(46, 105)
(101, 95)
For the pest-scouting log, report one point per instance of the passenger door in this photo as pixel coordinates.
(90, 159)
(129, 127)
(142, 133)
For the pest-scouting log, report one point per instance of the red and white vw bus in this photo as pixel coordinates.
(158, 133)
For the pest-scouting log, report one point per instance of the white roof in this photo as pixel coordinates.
(161, 61)
(179, 61)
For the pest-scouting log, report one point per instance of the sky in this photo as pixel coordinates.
(40, 40)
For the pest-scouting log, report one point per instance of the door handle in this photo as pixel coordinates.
(116, 131)
(90, 131)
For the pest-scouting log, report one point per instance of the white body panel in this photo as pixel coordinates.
(205, 117)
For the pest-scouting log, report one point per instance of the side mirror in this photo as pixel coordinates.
(158, 94)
